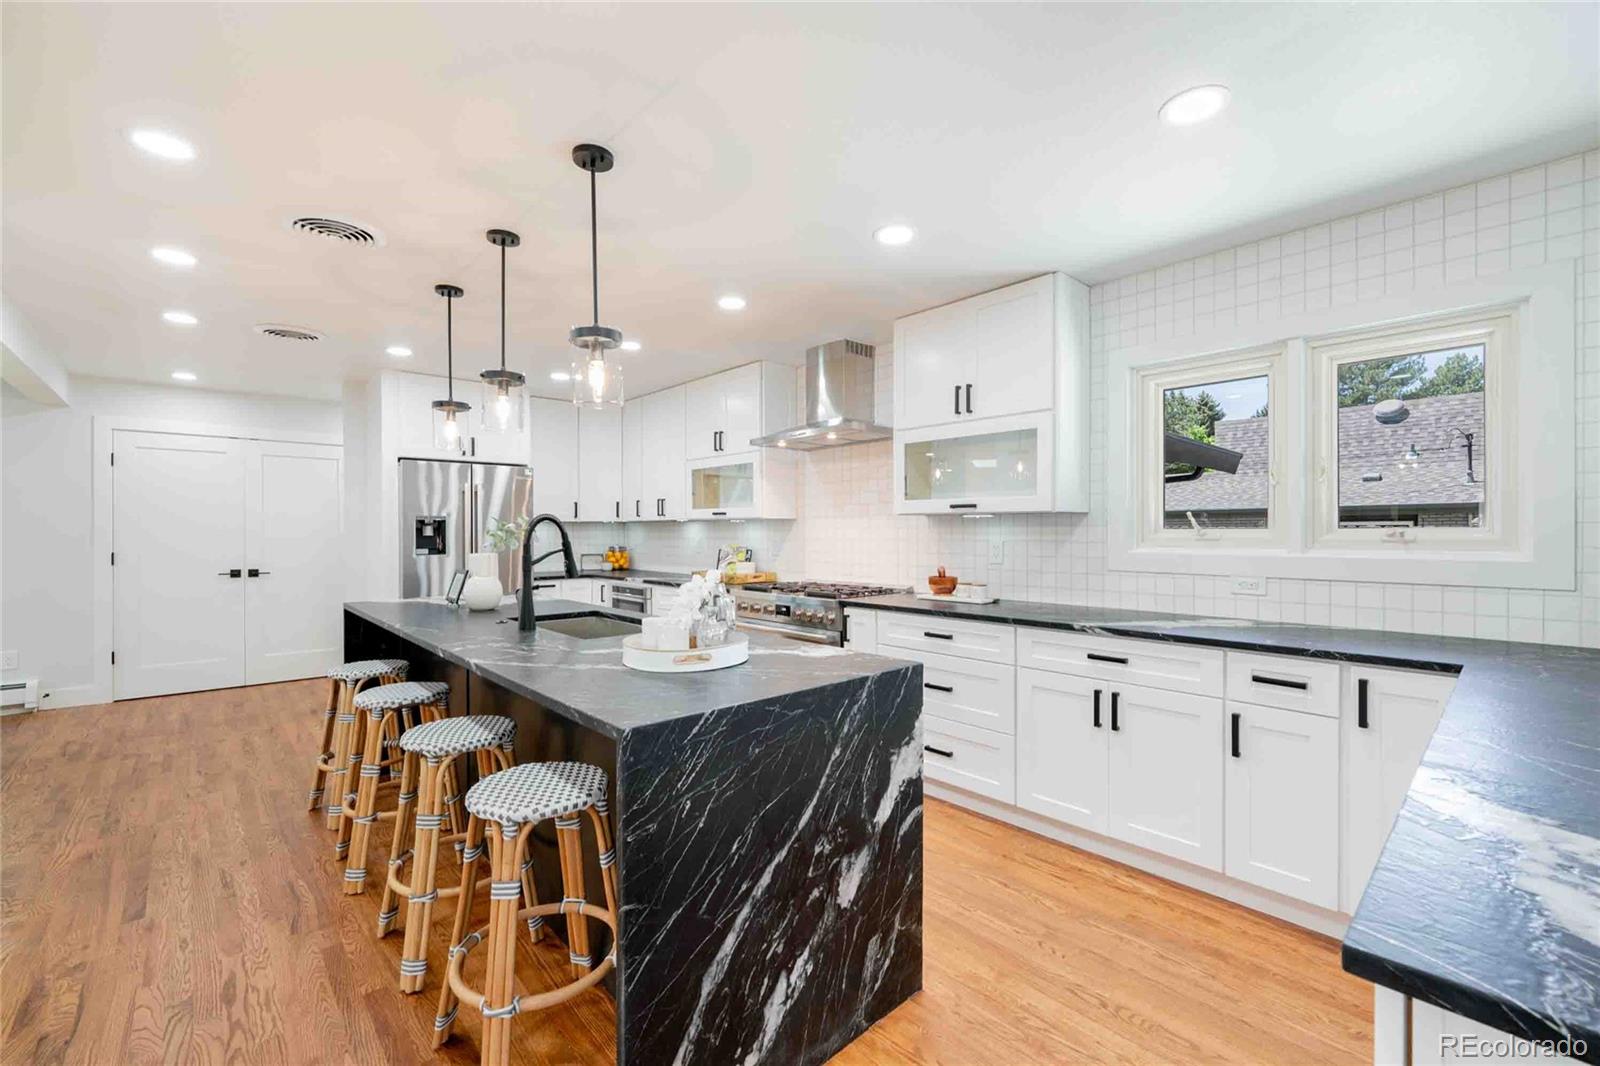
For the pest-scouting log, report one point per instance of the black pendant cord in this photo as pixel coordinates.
(594, 251)
(449, 351)
(502, 307)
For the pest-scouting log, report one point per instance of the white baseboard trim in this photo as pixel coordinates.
(1318, 920)
(73, 696)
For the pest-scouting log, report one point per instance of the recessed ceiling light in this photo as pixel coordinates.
(560, 375)
(399, 351)
(1194, 105)
(629, 346)
(179, 318)
(897, 233)
(183, 375)
(172, 257)
(731, 302)
(165, 145)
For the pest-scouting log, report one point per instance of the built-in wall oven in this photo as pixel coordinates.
(627, 596)
(801, 610)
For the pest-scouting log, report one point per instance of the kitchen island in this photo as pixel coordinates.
(768, 818)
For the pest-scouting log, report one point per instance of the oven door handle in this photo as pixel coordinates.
(792, 634)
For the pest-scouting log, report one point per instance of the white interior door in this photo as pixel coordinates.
(293, 580)
(178, 617)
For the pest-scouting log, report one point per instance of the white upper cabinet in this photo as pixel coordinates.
(1007, 371)
(725, 411)
(411, 396)
(661, 462)
(599, 464)
(634, 447)
(553, 425)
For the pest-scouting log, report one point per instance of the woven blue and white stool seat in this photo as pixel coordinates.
(535, 791)
(457, 736)
(402, 694)
(369, 668)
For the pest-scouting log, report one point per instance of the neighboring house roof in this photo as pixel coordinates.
(1366, 446)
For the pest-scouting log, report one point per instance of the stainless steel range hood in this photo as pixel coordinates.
(839, 397)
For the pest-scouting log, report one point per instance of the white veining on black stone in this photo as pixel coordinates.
(1486, 899)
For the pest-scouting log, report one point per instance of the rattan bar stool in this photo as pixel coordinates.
(386, 707)
(429, 751)
(338, 750)
(503, 809)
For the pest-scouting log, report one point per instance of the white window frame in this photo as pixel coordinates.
(1535, 531)
(1153, 384)
(1497, 331)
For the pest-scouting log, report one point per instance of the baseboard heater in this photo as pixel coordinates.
(19, 697)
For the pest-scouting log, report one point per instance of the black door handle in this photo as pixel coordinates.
(938, 688)
(1116, 726)
(969, 399)
(939, 751)
(958, 399)
(1280, 682)
(1235, 734)
(253, 572)
(1097, 708)
(1361, 703)
(939, 636)
(1120, 660)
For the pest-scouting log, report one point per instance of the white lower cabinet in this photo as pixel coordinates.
(1282, 801)
(967, 690)
(979, 760)
(1166, 779)
(861, 630)
(1063, 761)
(1389, 717)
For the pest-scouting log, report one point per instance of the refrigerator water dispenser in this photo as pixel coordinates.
(429, 535)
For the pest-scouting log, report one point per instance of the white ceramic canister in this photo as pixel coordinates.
(482, 591)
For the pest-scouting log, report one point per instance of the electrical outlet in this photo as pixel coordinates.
(997, 552)
(8, 660)
(1249, 586)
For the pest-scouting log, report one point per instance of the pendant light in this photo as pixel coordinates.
(502, 407)
(595, 382)
(446, 427)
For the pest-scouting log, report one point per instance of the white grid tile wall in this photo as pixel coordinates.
(847, 529)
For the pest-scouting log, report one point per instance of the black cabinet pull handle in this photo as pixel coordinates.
(1120, 660)
(938, 688)
(1280, 682)
(1361, 703)
(962, 506)
(938, 636)
(939, 751)
(574, 509)
(619, 508)
(636, 505)
(1116, 726)
(958, 399)
(1097, 708)
(537, 587)
(1235, 734)
(661, 507)
(969, 399)
(253, 572)
(230, 573)
(718, 514)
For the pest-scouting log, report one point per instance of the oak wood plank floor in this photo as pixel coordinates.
(165, 898)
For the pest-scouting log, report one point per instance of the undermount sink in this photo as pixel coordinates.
(591, 626)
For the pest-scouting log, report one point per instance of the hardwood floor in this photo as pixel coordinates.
(165, 897)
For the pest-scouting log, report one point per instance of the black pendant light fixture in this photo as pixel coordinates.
(502, 407)
(446, 427)
(595, 383)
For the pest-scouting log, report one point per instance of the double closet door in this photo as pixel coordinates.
(226, 567)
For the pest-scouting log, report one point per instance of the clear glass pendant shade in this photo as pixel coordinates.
(502, 408)
(449, 423)
(595, 382)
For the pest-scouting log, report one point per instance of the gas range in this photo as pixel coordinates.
(805, 610)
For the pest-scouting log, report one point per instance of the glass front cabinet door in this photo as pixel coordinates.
(999, 464)
(724, 487)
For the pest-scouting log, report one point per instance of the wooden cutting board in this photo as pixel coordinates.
(759, 577)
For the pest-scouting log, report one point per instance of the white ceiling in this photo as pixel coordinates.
(758, 147)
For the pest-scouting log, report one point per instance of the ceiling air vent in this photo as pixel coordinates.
(287, 333)
(338, 228)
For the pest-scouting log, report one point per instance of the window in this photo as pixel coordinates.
(1210, 450)
(1411, 434)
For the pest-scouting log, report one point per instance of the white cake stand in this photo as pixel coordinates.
(696, 660)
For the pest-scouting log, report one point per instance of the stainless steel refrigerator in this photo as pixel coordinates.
(445, 512)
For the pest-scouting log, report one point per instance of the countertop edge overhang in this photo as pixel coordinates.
(1477, 903)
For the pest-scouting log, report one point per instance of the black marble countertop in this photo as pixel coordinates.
(585, 679)
(653, 577)
(1486, 899)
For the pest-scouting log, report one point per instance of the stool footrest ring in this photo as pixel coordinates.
(533, 1001)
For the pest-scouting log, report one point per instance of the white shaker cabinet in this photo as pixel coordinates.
(599, 464)
(1166, 778)
(553, 426)
(633, 451)
(1388, 718)
(724, 412)
(1282, 789)
(1063, 758)
(662, 458)
(861, 630)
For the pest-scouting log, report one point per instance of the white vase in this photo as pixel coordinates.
(482, 591)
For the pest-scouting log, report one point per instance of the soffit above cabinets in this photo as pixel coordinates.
(758, 148)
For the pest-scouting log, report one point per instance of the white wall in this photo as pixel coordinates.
(847, 529)
(47, 561)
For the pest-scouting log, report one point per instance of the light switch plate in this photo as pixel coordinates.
(1249, 586)
(997, 552)
(8, 660)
